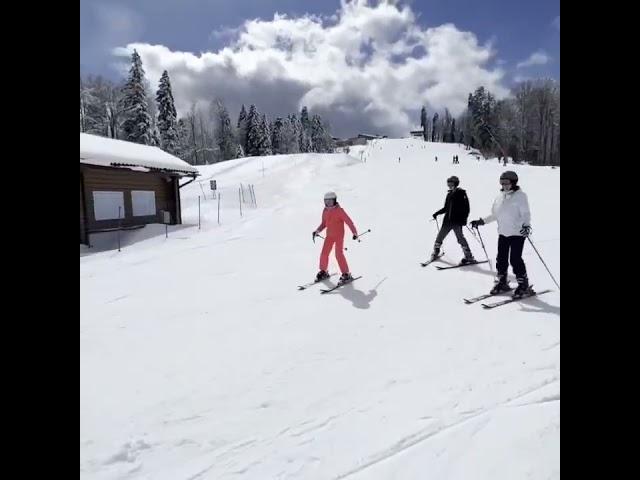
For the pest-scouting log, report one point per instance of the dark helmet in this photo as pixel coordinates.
(511, 176)
(455, 180)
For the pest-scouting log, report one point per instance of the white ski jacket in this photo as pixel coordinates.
(511, 210)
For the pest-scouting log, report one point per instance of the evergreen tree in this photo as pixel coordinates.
(167, 123)
(224, 133)
(253, 133)
(242, 127)
(265, 138)
(278, 141)
(305, 131)
(137, 124)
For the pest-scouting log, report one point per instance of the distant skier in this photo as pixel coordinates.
(333, 219)
(456, 212)
(511, 210)
(505, 161)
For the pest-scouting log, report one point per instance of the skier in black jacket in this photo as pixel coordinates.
(456, 210)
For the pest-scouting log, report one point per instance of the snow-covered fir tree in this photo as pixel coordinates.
(317, 134)
(167, 121)
(320, 136)
(137, 124)
(434, 127)
(278, 144)
(239, 151)
(265, 138)
(225, 138)
(287, 135)
(253, 133)
(293, 140)
(182, 135)
(305, 131)
(241, 128)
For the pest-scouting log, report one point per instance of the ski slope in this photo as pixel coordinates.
(199, 359)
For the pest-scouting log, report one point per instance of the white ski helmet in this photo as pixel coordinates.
(331, 196)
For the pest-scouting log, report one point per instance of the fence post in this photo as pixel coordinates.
(119, 225)
(240, 199)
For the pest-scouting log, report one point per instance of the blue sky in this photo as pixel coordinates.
(518, 27)
(491, 42)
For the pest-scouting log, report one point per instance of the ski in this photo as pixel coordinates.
(482, 297)
(325, 290)
(424, 264)
(310, 284)
(511, 300)
(461, 265)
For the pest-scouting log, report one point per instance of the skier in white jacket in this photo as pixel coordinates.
(511, 210)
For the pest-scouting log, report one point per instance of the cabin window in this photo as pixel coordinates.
(108, 205)
(143, 202)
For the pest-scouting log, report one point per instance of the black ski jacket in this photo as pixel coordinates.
(456, 207)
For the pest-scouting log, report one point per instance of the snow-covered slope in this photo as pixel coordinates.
(201, 360)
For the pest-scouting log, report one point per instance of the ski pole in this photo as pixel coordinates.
(473, 233)
(364, 233)
(316, 235)
(358, 237)
(485, 250)
(545, 265)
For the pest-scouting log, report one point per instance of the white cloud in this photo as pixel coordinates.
(536, 58)
(521, 78)
(364, 68)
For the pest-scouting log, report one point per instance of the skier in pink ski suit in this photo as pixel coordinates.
(334, 218)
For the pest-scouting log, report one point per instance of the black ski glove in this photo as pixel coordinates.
(526, 230)
(355, 237)
(477, 223)
(435, 216)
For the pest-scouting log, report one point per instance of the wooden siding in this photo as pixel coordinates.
(122, 180)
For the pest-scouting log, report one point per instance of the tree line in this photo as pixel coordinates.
(524, 126)
(203, 135)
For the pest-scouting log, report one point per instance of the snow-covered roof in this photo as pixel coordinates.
(95, 150)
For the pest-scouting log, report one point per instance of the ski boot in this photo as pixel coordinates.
(468, 257)
(345, 278)
(523, 289)
(468, 260)
(435, 254)
(501, 285)
(322, 274)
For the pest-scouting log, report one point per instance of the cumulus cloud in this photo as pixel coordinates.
(536, 58)
(365, 68)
